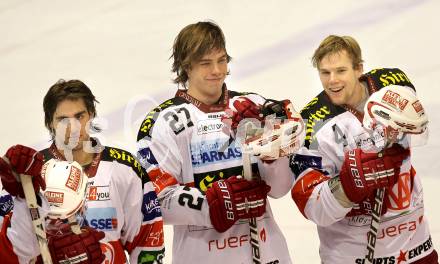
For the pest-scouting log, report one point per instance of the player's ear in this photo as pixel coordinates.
(359, 69)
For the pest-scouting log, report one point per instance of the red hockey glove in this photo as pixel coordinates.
(244, 108)
(367, 205)
(67, 247)
(362, 173)
(22, 160)
(235, 198)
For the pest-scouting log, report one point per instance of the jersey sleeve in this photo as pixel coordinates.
(311, 191)
(18, 236)
(159, 153)
(278, 176)
(142, 234)
(316, 163)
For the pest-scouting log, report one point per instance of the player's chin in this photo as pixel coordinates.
(336, 99)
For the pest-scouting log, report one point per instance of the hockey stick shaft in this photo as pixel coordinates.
(37, 221)
(375, 221)
(254, 239)
(374, 226)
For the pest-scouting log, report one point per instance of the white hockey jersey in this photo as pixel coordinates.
(183, 148)
(121, 202)
(403, 234)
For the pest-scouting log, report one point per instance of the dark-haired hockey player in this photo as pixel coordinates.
(121, 201)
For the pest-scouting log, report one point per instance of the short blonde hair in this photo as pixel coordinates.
(335, 44)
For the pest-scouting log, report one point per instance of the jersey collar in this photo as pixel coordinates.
(89, 169)
(217, 107)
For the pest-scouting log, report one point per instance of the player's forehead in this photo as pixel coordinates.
(70, 108)
(213, 54)
(334, 60)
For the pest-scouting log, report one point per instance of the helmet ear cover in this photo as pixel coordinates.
(66, 187)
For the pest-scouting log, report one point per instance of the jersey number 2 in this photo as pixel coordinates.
(176, 123)
(188, 199)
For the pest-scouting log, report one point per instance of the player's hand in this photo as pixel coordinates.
(235, 198)
(21, 160)
(362, 173)
(243, 108)
(67, 247)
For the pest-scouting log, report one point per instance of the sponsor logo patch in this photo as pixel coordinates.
(54, 197)
(102, 218)
(145, 154)
(300, 163)
(150, 206)
(395, 100)
(209, 152)
(74, 179)
(209, 126)
(99, 193)
(418, 107)
(151, 257)
(6, 204)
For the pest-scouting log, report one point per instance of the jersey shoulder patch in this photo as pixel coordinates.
(124, 157)
(146, 127)
(316, 113)
(379, 78)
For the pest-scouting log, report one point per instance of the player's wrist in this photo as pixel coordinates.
(338, 192)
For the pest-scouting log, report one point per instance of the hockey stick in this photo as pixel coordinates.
(37, 222)
(254, 239)
(375, 220)
(374, 225)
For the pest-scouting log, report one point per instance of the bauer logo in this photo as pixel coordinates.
(150, 206)
(74, 179)
(395, 100)
(102, 218)
(54, 197)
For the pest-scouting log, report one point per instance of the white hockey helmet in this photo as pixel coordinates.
(280, 137)
(397, 109)
(66, 187)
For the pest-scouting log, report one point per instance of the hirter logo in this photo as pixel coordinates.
(394, 99)
(54, 197)
(74, 178)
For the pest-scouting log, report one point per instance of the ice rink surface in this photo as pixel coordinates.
(121, 48)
